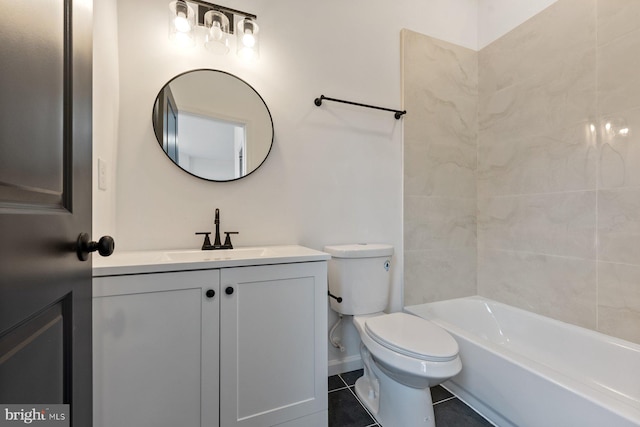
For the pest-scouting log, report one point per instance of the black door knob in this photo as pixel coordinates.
(84, 246)
(229, 290)
(210, 293)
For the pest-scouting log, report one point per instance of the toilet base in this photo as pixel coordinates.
(394, 404)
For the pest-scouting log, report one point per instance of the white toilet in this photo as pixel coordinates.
(403, 355)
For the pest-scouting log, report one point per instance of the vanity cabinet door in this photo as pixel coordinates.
(273, 360)
(155, 350)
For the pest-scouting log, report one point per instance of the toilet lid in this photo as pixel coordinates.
(412, 336)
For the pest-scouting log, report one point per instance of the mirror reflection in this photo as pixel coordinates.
(213, 125)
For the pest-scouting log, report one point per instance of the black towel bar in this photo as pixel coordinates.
(397, 115)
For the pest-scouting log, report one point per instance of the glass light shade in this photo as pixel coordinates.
(182, 23)
(247, 39)
(216, 38)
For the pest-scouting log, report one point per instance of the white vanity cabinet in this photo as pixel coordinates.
(273, 363)
(167, 352)
(155, 350)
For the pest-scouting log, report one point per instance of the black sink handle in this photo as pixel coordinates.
(207, 242)
(227, 239)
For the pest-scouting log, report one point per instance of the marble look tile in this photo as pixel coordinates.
(440, 87)
(619, 300)
(561, 224)
(557, 287)
(439, 275)
(619, 225)
(443, 167)
(618, 77)
(617, 18)
(532, 107)
(562, 160)
(440, 90)
(541, 76)
(440, 81)
(620, 150)
(435, 119)
(434, 223)
(539, 45)
(437, 66)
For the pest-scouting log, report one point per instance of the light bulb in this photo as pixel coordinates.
(248, 39)
(182, 23)
(248, 44)
(216, 31)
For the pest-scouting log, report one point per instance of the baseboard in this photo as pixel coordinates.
(348, 364)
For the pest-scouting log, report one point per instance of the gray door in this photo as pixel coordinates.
(45, 203)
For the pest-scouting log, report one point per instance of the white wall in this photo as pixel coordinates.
(105, 112)
(497, 17)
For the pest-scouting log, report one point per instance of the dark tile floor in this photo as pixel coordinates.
(345, 409)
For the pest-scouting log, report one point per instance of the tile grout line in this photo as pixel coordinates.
(343, 382)
(375, 421)
(598, 150)
(347, 386)
(444, 400)
(338, 389)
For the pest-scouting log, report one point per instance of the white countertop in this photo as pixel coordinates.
(137, 262)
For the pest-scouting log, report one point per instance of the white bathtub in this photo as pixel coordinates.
(524, 370)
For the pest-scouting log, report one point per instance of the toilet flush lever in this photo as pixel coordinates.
(339, 299)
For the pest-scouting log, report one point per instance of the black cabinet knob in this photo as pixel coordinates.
(229, 290)
(210, 293)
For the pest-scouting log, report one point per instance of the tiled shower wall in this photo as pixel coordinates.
(440, 91)
(537, 165)
(558, 170)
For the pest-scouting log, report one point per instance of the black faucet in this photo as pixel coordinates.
(216, 221)
(207, 246)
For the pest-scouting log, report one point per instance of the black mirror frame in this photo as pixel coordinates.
(155, 112)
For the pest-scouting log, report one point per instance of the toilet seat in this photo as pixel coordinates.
(412, 336)
(406, 369)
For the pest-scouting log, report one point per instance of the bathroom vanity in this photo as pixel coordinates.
(211, 338)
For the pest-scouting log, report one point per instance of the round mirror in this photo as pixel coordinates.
(213, 125)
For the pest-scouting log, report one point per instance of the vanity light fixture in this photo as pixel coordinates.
(217, 24)
(181, 23)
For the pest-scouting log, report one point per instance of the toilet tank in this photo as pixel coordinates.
(361, 275)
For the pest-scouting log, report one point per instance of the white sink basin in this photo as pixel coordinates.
(135, 262)
(218, 255)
